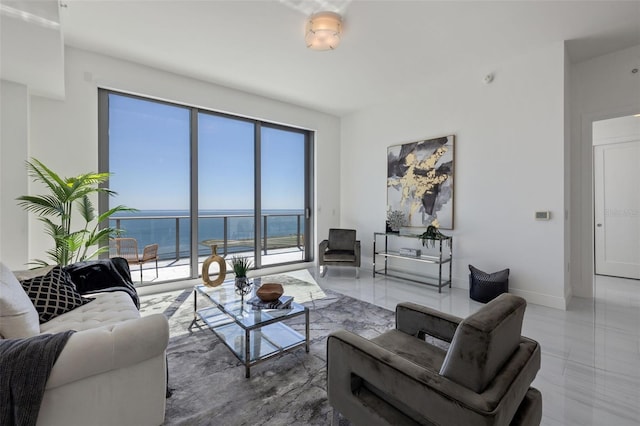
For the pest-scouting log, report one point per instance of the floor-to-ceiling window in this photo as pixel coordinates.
(200, 178)
(282, 189)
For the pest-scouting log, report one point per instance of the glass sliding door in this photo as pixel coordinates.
(226, 175)
(200, 178)
(282, 194)
(148, 156)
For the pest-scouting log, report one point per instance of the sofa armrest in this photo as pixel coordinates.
(416, 320)
(95, 351)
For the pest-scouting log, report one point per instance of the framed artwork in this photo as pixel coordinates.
(420, 181)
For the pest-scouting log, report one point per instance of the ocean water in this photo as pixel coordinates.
(165, 226)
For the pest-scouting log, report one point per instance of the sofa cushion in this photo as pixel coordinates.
(18, 316)
(53, 294)
(107, 309)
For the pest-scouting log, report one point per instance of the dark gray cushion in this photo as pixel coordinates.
(484, 341)
(342, 239)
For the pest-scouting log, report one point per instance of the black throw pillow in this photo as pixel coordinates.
(494, 277)
(53, 294)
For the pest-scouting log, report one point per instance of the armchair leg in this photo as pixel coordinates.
(357, 272)
(141, 273)
(323, 270)
(156, 267)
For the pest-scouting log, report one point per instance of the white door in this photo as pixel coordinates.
(617, 209)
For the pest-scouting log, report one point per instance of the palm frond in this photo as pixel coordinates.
(114, 210)
(85, 207)
(42, 173)
(38, 263)
(95, 253)
(47, 205)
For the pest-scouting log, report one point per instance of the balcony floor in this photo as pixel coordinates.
(172, 269)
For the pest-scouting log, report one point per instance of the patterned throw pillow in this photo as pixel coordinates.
(53, 294)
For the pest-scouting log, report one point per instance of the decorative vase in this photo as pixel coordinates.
(207, 263)
(243, 286)
(270, 292)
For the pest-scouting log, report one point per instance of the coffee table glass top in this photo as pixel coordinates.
(244, 314)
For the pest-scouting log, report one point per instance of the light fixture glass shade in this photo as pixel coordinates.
(323, 31)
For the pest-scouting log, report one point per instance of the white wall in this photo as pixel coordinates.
(509, 162)
(601, 88)
(14, 134)
(64, 134)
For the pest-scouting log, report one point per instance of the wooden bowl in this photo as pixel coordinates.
(270, 292)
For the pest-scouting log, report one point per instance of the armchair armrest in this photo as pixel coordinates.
(98, 350)
(416, 320)
(324, 245)
(354, 362)
(428, 395)
(356, 251)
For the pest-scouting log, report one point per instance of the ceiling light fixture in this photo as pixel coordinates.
(323, 31)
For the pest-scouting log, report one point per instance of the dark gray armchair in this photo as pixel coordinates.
(482, 376)
(341, 249)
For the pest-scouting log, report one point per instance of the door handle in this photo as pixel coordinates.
(599, 225)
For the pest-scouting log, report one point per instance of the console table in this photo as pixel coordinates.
(442, 254)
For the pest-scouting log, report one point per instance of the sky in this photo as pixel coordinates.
(149, 158)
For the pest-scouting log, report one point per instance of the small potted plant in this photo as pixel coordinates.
(431, 235)
(240, 266)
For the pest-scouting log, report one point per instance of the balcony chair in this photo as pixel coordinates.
(341, 249)
(128, 249)
(435, 368)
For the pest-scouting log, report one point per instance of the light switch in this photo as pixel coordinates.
(543, 215)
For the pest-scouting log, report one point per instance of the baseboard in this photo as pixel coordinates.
(541, 299)
(530, 296)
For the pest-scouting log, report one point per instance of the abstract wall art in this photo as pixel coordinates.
(420, 181)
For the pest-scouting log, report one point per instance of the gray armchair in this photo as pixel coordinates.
(479, 375)
(341, 249)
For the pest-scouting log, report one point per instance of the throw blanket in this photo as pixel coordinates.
(25, 368)
(96, 276)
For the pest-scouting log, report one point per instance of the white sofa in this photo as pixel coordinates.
(112, 371)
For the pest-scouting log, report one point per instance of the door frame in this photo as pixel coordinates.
(585, 228)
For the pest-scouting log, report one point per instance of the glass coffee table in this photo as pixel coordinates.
(252, 335)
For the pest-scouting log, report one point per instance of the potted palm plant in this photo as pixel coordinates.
(55, 209)
(240, 266)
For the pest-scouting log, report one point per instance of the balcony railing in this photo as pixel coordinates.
(232, 233)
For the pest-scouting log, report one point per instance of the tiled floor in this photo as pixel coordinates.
(590, 371)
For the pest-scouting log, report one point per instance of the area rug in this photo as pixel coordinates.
(208, 382)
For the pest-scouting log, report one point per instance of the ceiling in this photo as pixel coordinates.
(388, 49)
